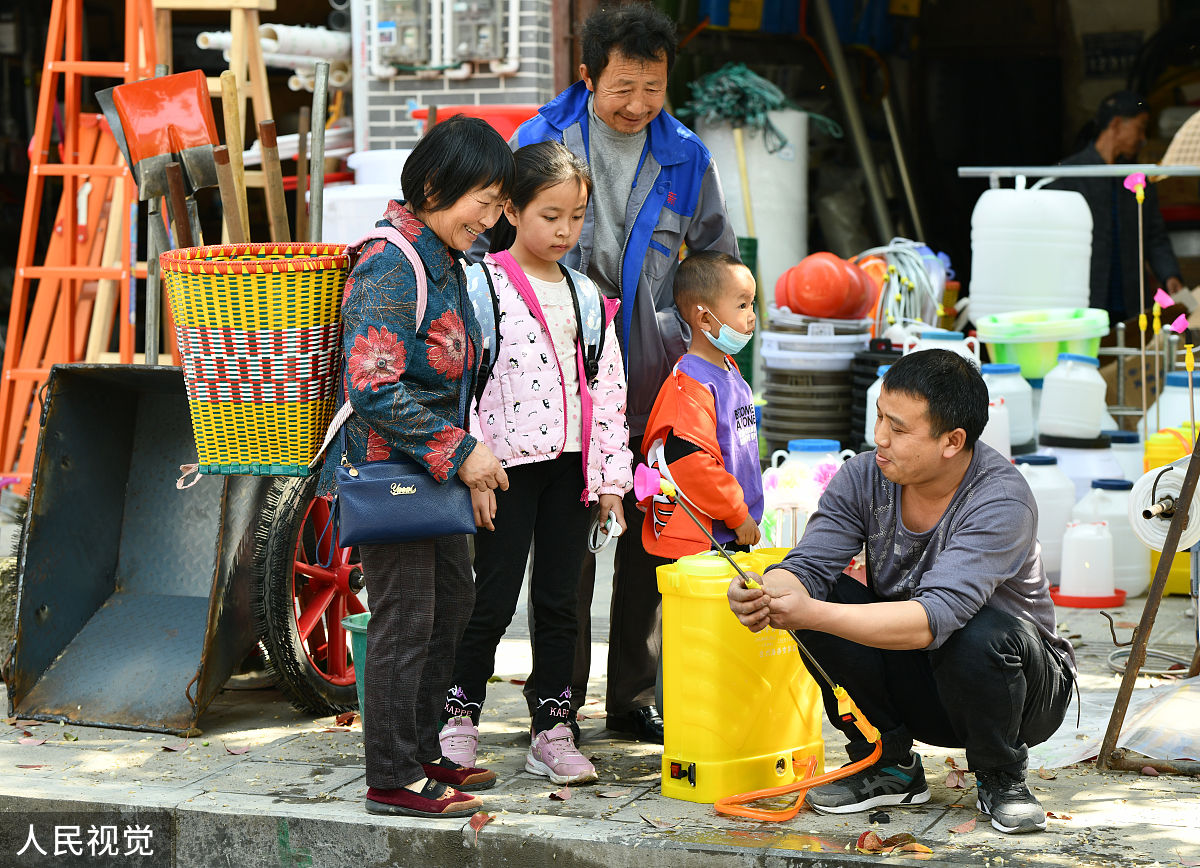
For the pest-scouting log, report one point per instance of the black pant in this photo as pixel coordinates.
(420, 595)
(994, 687)
(542, 506)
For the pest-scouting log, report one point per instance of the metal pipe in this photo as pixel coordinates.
(902, 165)
(858, 133)
(1103, 170)
(1164, 507)
(316, 172)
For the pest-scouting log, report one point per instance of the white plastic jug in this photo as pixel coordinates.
(1171, 408)
(810, 454)
(995, 433)
(379, 166)
(1055, 496)
(937, 339)
(1005, 381)
(1029, 249)
(1073, 399)
(1126, 450)
(1087, 564)
(872, 412)
(1108, 500)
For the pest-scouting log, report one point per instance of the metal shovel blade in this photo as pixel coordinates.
(165, 119)
(113, 119)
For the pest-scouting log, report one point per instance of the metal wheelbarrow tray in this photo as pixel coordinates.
(132, 597)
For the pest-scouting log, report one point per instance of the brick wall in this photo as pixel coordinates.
(388, 102)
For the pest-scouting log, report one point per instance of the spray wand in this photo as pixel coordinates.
(1136, 184)
(647, 482)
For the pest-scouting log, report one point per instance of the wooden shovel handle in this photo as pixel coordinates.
(302, 176)
(177, 206)
(229, 197)
(273, 180)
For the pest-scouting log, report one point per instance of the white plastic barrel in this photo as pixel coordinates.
(872, 400)
(1029, 249)
(1082, 460)
(1087, 561)
(382, 166)
(1073, 398)
(1108, 500)
(995, 432)
(939, 339)
(1055, 496)
(778, 188)
(1171, 408)
(810, 453)
(350, 210)
(1005, 381)
(1126, 450)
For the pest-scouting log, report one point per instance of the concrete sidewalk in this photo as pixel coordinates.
(266, 785)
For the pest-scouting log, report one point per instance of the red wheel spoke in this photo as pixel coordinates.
(310, 615)
(354, 604)
(315, 573)
(336, 657)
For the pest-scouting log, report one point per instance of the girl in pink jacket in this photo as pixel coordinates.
(553, 412)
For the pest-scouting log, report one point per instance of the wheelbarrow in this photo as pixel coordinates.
(136, 602)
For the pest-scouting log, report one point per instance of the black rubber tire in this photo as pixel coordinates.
(273, 603)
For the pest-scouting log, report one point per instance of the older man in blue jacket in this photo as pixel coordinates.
(655, 190)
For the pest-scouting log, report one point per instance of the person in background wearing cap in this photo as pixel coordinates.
(1120, 125)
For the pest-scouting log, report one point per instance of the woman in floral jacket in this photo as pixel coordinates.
(404, 379)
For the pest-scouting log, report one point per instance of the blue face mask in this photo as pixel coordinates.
(727, 340)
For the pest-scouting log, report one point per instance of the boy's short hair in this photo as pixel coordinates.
(700, 279)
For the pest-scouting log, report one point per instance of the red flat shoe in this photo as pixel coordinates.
(436, 801)
(464, 778)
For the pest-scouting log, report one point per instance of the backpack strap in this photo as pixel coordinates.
(392, 234)
(385, 233)
(589, 316)
(482, 292)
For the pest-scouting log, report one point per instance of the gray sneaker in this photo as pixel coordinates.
(1005, 798)
(873, 787)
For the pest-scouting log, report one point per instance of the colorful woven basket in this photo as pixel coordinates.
(258, 328)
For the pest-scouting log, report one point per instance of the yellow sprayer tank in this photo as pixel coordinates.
(737, 706)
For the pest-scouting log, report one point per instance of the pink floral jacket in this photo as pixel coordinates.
(522, 413)
(403, 377)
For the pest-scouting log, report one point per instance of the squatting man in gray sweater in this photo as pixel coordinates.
(951, 641)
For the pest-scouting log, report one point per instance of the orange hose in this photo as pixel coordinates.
(735, 806)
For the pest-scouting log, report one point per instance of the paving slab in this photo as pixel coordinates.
(267, 785)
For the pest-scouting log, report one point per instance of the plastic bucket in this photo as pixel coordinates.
(738, 706)
(1034, 339)
(1108, 501)
(1055, 496)
(351, 210)
(356, 626)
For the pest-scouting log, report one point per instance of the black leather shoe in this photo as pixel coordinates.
(644, 724)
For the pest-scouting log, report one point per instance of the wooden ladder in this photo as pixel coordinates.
(91, 167)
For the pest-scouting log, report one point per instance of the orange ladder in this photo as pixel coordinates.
(48, 331)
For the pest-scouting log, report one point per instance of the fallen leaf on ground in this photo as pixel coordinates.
(346, 718)
(1129, 625)
(42, 766)
(869, 842)
(1054, 816)
(615, 794)
(31, 741)
(956, 780)
(1046, 774)
(177, 746)
(478, 820)
(494, 679)
(336, 729)
(562, 795)
(25, 723)
(957, 805)
(516, 681)
(659, 824)
(1150, 771)
(950, 761)
(70, 736)
(234, 750)
(965, 827)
